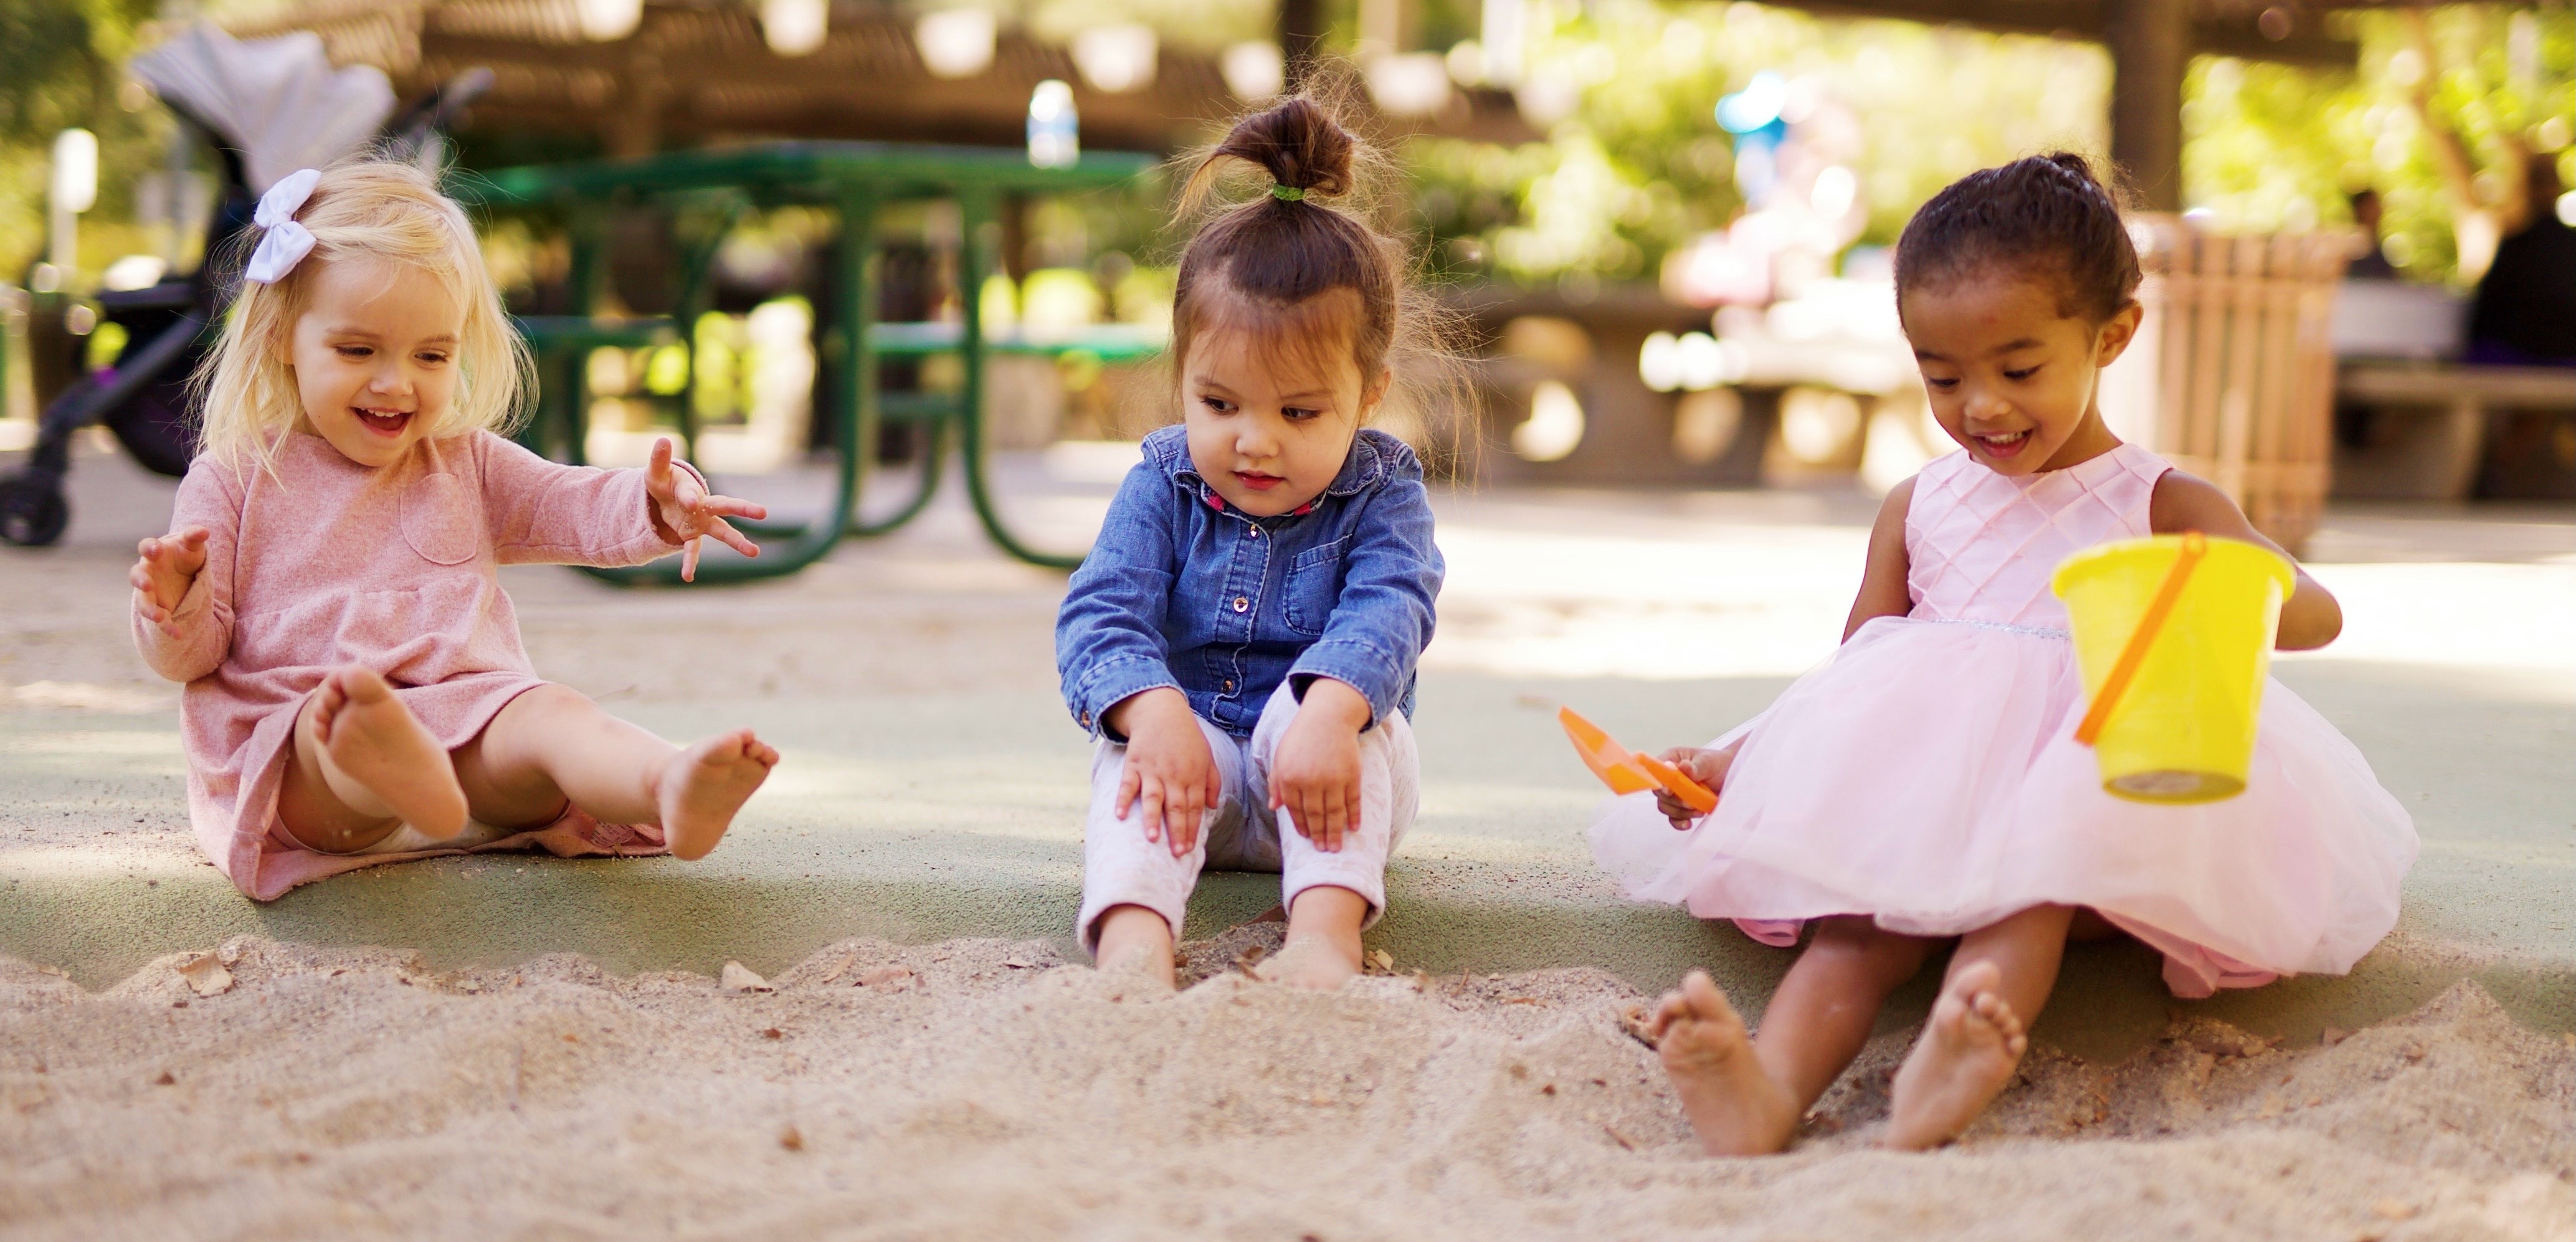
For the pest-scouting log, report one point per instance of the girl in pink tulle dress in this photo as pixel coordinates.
(1923, 786)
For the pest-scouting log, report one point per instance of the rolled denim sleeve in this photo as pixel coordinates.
(1109, 643)
(1382, 620)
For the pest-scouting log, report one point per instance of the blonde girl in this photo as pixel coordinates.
(356, 688)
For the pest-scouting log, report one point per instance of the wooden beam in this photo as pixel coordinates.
(2150, 42)
(2089, 20)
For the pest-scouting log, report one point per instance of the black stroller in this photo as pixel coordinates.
(220, 90)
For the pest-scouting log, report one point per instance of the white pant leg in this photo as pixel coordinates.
(1390, 794)
(1121, 868)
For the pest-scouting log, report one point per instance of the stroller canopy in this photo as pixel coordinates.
(278, 101)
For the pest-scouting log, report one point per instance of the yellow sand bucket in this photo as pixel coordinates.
(2174, 635)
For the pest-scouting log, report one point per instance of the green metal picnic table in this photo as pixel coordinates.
(856, 180)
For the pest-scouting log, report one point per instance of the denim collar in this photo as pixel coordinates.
(1361, 470)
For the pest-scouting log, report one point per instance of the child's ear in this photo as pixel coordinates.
(2114, 336)
(1376, 389)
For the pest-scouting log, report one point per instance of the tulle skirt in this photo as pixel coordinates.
(1927, 777)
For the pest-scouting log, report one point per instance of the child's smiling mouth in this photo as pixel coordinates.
(383, 422)
(1258, 481)
(2003, 443)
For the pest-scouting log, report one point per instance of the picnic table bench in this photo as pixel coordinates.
(2435, 453)
(854, 180)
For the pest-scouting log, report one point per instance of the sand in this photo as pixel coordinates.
(987, 1089)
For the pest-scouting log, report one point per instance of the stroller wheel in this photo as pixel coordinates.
(32, 511)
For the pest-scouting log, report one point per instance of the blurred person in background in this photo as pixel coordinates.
(2370, 260)
(2525, 313)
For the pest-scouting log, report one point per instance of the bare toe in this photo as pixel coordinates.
(1309, 961)
(702, 787)
(1733, 1105)
(373, 742)
(1964, 1057)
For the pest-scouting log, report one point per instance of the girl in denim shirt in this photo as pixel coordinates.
(1242, 639)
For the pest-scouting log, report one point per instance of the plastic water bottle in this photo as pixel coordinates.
(1054, 140)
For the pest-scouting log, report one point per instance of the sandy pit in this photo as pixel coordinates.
(987, 1089)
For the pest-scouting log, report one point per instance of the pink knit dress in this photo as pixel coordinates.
(1927, 774)
(330, 563)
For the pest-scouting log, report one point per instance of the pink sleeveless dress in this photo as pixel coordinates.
(1927, 775)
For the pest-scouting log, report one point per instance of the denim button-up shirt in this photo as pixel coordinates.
(1185, 590)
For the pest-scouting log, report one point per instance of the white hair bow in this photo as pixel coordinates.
(286, 242)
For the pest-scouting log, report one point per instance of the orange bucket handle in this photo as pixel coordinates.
(2195, 545)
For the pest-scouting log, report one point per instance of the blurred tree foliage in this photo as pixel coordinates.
(1633, 163)
(61, 65)
(1640, 165)
(2270, 147)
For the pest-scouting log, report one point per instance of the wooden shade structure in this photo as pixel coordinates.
(693, 71)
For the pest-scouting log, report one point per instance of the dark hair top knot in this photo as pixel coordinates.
(2050, 215)
(1300, 146)
(1268, 259)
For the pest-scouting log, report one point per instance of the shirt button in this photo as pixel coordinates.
(1256, 532)
(1086, 720)
(1242, 604)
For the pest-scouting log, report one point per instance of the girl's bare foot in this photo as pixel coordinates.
(701, 787)
(1733, 1105)
(1313, 961)
(370, 740)
(1137, 941)
(1965, 1056)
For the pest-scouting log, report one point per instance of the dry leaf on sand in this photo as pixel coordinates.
(1381, 961)
(895, 978)
(738, 979)
(205, 974)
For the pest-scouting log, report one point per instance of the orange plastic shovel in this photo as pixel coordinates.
(1628, 771)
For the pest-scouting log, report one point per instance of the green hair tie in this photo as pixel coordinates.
(1287, 193)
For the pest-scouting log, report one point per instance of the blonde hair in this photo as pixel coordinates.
(362, 208)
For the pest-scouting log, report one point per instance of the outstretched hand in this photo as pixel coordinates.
(162, 575)
(687, 512)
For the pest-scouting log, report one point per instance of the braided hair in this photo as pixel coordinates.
(2048, 215)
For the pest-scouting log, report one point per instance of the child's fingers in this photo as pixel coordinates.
(1150, 801)
(689, 561)
(734, 507)
(1328, 814)
(1181, 820)
(1127, 787)
(657, 471)
(1319, 810)
(725, 534)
